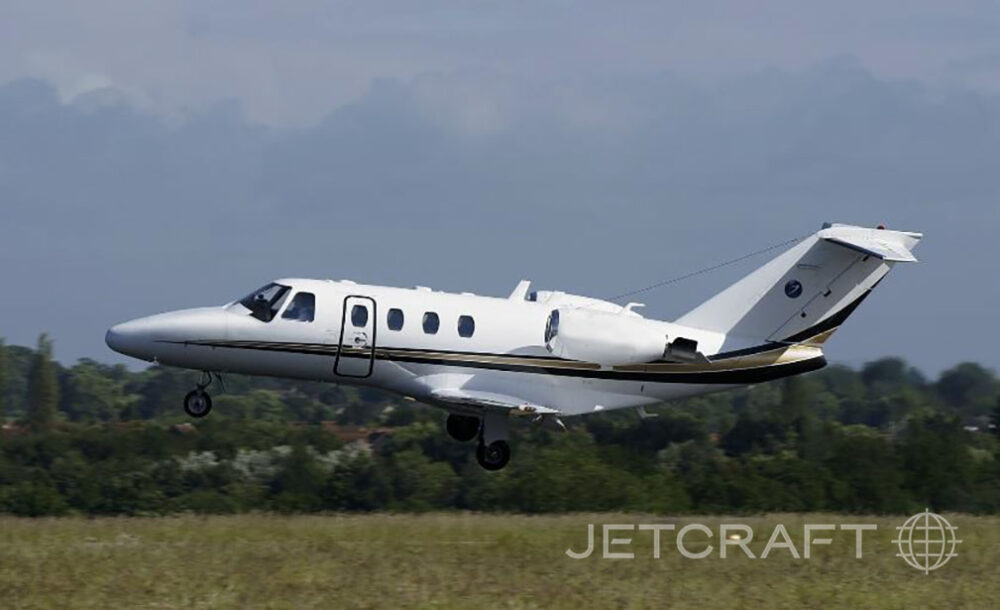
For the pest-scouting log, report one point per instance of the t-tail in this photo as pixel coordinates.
(806, 293)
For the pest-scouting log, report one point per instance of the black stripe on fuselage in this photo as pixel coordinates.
(542, 365)
(728, 376)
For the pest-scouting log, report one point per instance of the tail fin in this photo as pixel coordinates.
(809, 290)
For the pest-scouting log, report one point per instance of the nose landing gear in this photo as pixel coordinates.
(198, 403)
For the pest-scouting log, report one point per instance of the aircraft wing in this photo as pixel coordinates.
(488, 400)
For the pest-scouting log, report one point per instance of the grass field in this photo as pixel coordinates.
(468, 560)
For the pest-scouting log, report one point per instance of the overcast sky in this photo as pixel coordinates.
(160, 155)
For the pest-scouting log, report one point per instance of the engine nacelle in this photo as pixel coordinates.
(603, 337)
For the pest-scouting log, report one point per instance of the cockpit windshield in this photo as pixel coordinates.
(265, 302)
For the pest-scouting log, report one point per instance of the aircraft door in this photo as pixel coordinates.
(356, 348)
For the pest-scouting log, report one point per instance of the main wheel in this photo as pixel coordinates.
(462, 427)
(197, 403)
(493, 456)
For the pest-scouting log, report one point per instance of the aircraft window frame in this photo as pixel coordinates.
(262, 306)
(359, 319)
(301, 312)
(391, 320)
(466, 326)
(431, 323)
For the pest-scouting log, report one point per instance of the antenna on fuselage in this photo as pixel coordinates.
(707, 269)
(520, 291)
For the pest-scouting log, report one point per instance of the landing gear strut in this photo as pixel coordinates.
(198, 403)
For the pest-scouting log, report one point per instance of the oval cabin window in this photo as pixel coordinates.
(466, 326)
(394, 319)
(431, 323)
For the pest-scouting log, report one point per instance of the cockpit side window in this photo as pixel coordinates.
(265, 302)
(302, 308)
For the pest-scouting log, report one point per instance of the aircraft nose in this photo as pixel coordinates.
(151, 338)
(130, 338)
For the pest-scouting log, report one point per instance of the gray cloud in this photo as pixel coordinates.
(471, 179)
(290, 63)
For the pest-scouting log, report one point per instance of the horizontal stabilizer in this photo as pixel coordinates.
(890, 246)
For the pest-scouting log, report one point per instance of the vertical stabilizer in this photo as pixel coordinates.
(807, 291)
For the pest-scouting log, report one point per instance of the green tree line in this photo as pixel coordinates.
(98, 439)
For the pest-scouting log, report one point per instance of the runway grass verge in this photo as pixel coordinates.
(473, 560)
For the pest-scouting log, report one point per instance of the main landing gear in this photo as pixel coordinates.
(493, 456)
(493, 450)
(198, 403)
(462, 428)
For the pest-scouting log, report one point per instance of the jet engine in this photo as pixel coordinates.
(603, 337)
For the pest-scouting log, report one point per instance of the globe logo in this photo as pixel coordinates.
(793, 289)
(926, 541)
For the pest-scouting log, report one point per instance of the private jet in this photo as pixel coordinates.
(543, 355)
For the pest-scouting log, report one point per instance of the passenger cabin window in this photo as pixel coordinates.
(466, 326)
(395, 319)
(265, 302)
(359, 316)
(431, 323)
(302, 308)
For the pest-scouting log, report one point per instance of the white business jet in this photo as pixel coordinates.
(540, 354)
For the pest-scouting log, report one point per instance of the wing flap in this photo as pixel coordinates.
(489, 400)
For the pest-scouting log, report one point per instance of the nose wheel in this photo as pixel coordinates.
(198, 403)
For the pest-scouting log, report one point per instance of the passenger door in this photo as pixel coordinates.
(356, 347)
